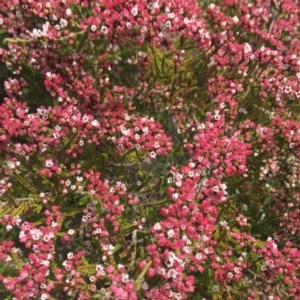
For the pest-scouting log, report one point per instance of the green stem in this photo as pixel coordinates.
(138, 281)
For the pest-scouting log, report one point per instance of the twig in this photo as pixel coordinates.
(23, 41)
(134, 242)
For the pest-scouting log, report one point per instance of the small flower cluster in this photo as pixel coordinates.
(32, 279)
(228, 153)
(148, 148)
(145, 135)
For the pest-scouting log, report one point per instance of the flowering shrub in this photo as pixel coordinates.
(149, 149)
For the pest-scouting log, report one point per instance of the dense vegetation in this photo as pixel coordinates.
(149, 150)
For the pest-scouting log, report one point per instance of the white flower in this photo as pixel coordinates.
(11, 164)
(63, 23)
(215, 288)
(235, 19)
(178, 183)
(53, 224)
(145, 286)
(152, 154)
(169, 262)
(168, 24)
(104, 30)
(99, 268)
(56, 135)
(223, 223)
(49, 163)
(68, 12)
(172, 273)
(125, 278)
(187, 249)
(170, 233)
(171, 15)
(45, 28)
(93, 28)
(9, 228)
(44, 296)
(144, 29)
(175, 196)
(157, 226)
(85, 119)
(124, 131)
(191, 174)
(145, 130)
(36, 33)
(156, 145)
(35, 234)
(215, 189)
(135, 10)
(46, 238)
(247, 48)
(95, 123)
